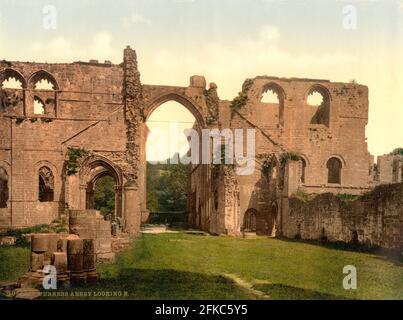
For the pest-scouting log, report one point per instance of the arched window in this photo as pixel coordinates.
(3, 188)
(319, 99)
(334, 167)
(270, 96)
(249, 224)
(273, 95)
(12, 84)
(12, 79)
(46, 185)
(44, 89)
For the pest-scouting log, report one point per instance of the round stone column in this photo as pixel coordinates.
(132, 209)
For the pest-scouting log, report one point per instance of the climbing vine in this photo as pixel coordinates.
(73, 162)
(266, 167)
(289, 156)
(240, 101)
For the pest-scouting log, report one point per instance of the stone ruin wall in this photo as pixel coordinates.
(103, 107)
(374, 219)
(98, 107)
(291, 125)
(88, 105)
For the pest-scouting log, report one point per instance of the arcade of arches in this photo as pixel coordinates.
(65, 128)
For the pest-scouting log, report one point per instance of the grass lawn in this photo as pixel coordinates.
(184, 266)
(14, 262)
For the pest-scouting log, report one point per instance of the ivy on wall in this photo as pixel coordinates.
(73, 162)
(266, 167)
(289, 156)
(240, 101)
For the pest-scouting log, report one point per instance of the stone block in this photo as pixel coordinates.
(78, 277)
(75, 263)
(59, 260)
(27, 294)
(75, 246)
(7, 241)
(39, 243)
(198, 82)
(37, 261)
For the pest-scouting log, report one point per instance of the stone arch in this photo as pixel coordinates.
(94, 168)
(338, 156)
(250, 220)
(46, 184)
(321, 114)
(334, 167)
(281, 97)
(12, 73)
(40, 75)
(276, 88)
(43, 99)
(183, 100)
(12, 96)
(200, 123)
(48, 180)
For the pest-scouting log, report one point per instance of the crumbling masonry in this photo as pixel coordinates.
(64, 126)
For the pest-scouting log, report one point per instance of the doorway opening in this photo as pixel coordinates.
(167, 173)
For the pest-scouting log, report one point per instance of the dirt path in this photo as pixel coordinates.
(246, 286)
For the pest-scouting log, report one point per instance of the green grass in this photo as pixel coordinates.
(183, 266)
(14, 262)
(188, 266)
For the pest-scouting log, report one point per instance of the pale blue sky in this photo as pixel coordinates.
(227, 41)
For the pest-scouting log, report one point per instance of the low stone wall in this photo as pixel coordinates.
(374, 219)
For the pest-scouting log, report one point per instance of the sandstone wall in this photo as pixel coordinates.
(88, 113)
(375, 218)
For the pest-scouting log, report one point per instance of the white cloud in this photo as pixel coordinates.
(136, 19)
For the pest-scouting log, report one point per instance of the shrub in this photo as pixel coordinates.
(19, 234)
(397, 152)
(347, 197)
(58, 226)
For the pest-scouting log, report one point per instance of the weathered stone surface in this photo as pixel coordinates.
(101, 108)
(374, 219)
(7, 241)
(37, 261)
(27, 294)
(39, 243)
(75, 246)
(89, 256)
(75, 255)
(59, 260)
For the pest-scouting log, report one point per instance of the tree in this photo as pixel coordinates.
(167, 187)
(104, 196)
